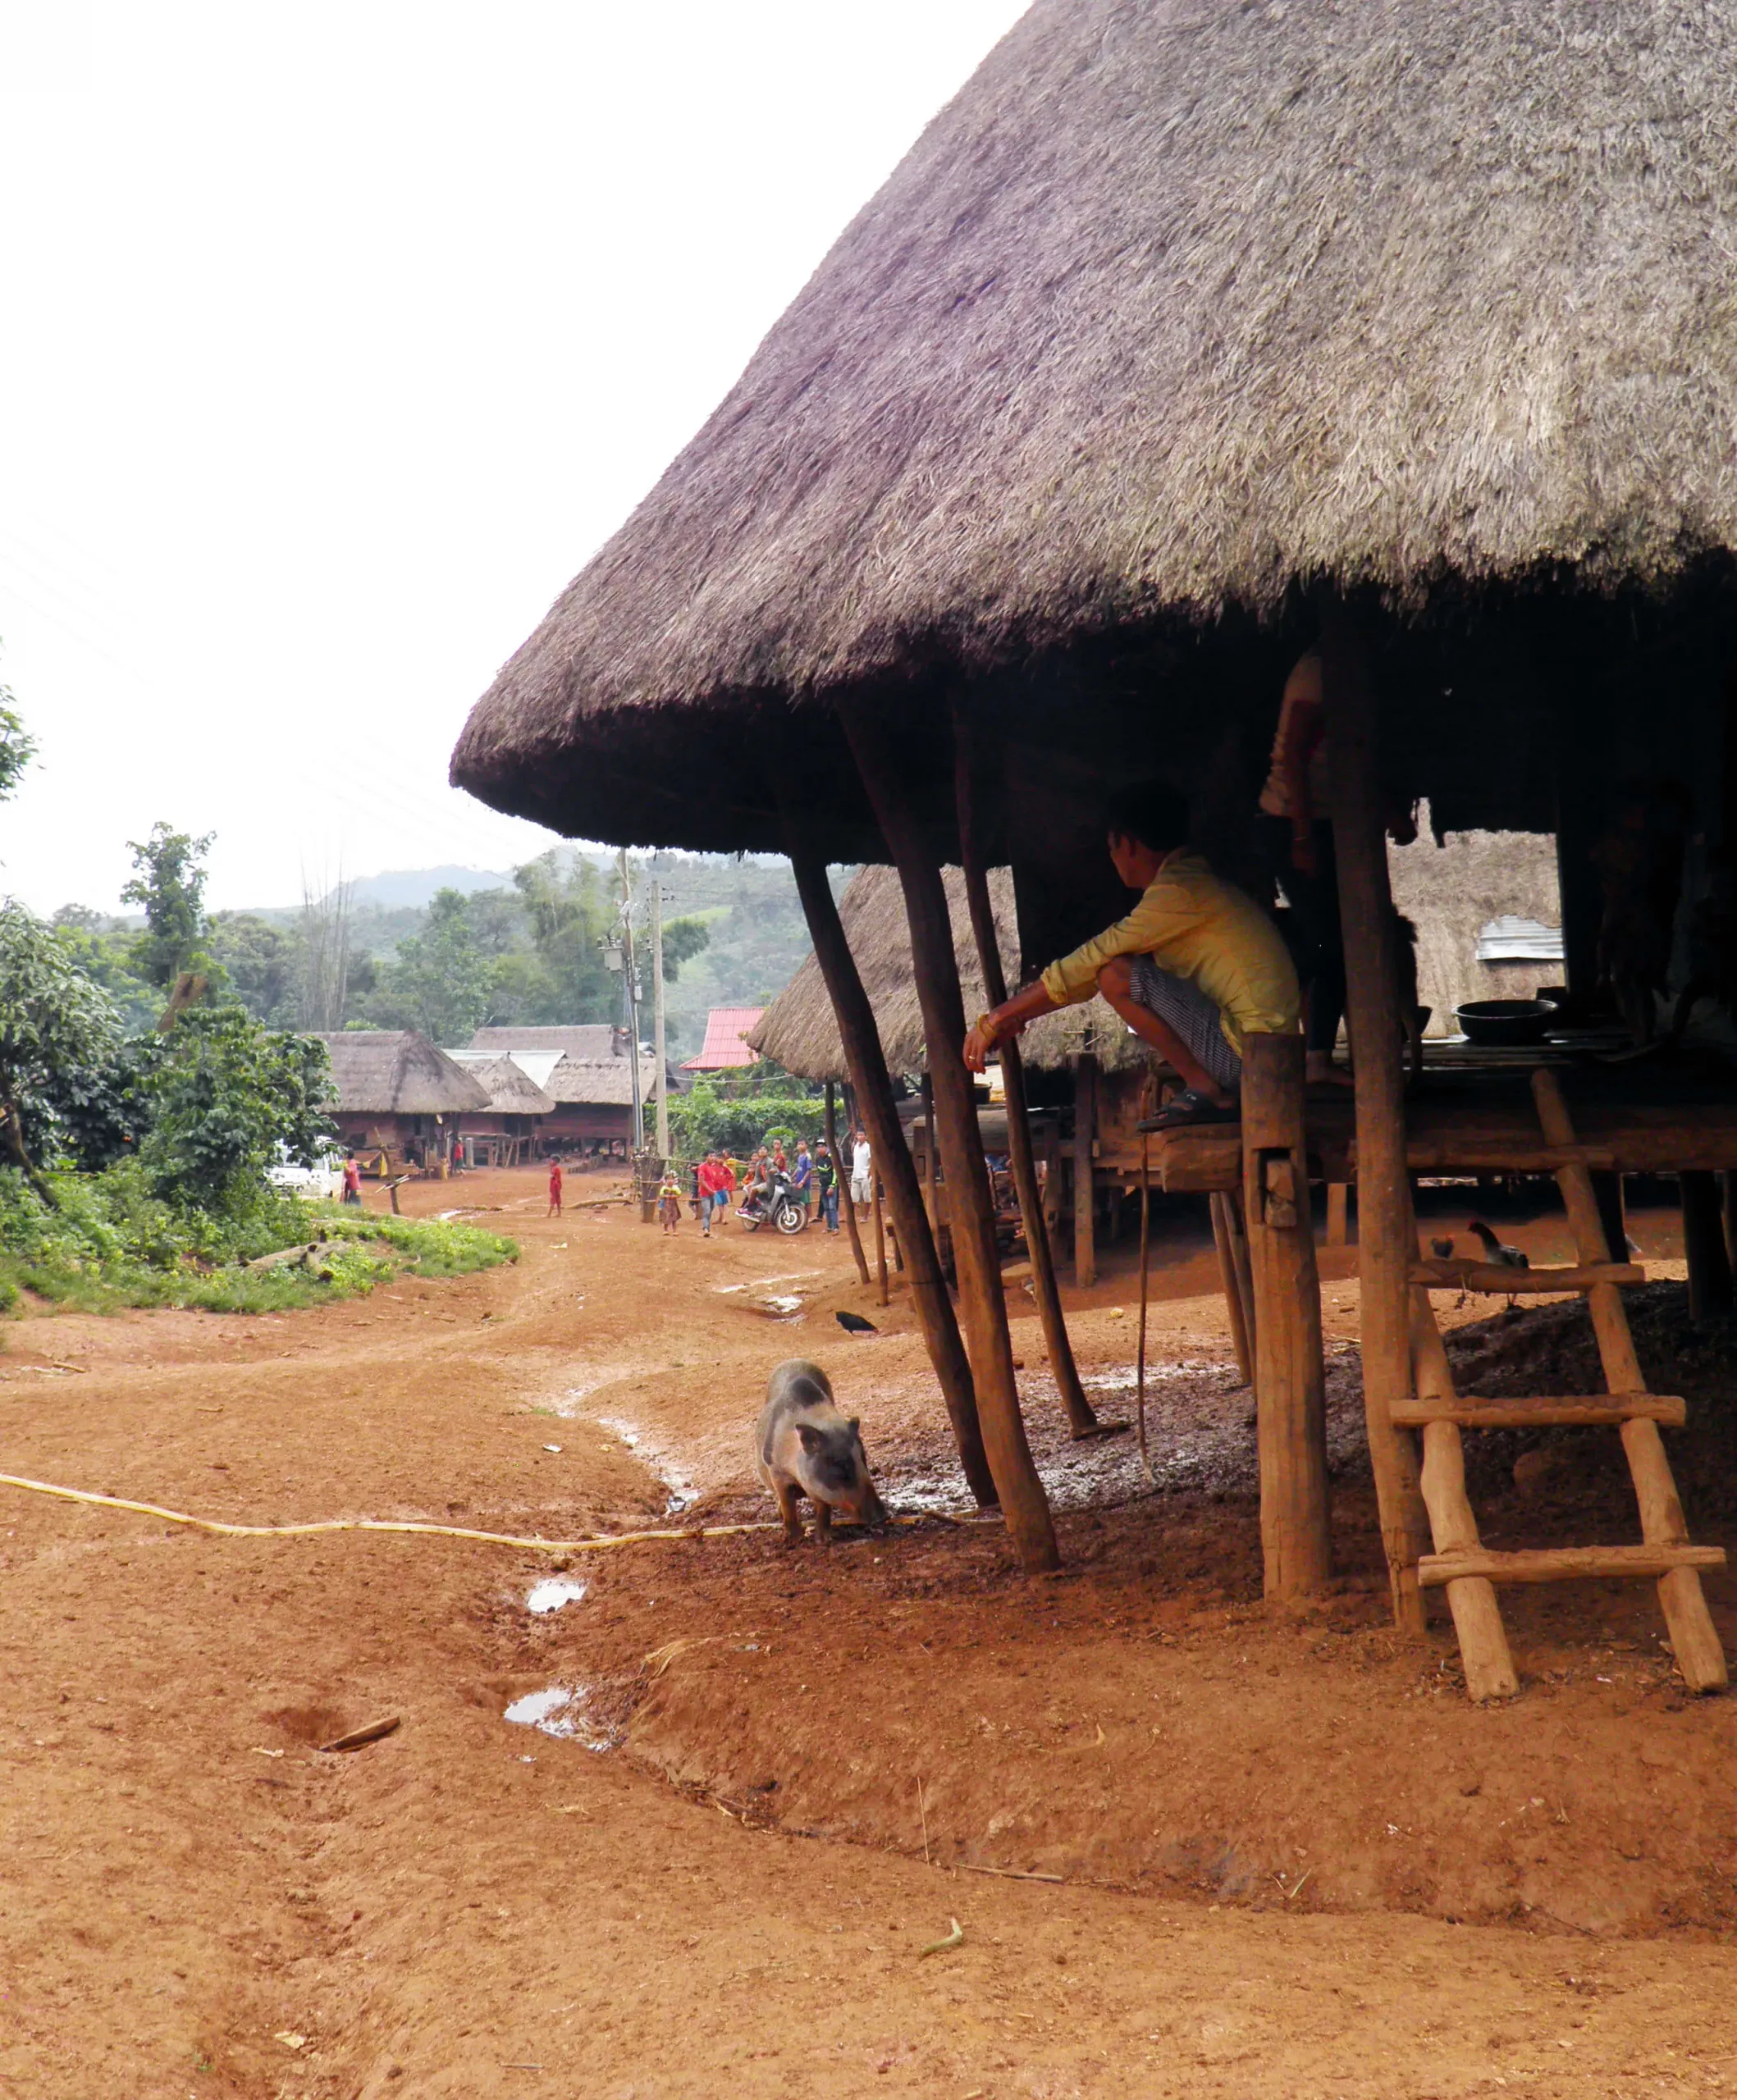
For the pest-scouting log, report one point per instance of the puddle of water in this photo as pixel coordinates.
(683, 1492)
(551, 1593)
(560, 1711)
(765, 1283)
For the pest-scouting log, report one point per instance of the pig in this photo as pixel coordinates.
(804, 1446)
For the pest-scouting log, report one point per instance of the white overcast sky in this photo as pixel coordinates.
(337, 339)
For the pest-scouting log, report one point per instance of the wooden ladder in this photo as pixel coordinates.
(1460, 1563)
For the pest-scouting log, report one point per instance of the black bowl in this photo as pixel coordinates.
(1506, 1023)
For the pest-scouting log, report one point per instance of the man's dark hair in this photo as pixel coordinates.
(1152, 813)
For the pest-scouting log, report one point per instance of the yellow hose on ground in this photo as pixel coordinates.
(596, 1544)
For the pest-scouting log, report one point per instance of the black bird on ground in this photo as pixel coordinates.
(853, 1323)
(1498, 1255)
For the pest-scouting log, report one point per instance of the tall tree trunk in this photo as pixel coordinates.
(12, 1136)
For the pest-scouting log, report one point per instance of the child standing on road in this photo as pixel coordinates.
(826, 1181)
(669, 1201)
(554, 1189)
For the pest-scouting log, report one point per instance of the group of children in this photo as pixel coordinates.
(812, 1179)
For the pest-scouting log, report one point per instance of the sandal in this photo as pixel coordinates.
(1188, 1108)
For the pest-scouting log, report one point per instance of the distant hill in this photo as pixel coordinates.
(413, 888)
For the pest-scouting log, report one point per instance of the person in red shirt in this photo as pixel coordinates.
(352, 1180)
(554, 1190)
(716, 1183)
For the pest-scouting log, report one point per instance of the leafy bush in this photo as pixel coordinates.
(223, 1093)
(112, 1241)
(706, 1116)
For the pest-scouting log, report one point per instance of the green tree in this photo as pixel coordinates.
(439, 982)
(17, 745)
(103, 950)
(59, 1034)
(569, 912)
(169, 884)
(683, 939)
(260, 963)
(223, 1094)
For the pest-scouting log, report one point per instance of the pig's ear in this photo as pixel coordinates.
(856, 1427)
(812, 1439)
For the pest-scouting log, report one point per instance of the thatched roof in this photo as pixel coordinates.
(585, 1065)
(587, 1040)
(799, 1031)
(381, 1071)
(1175, 306)
(600, 1082)
(511, 1091)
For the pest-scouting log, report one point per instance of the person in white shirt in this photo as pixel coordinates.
(861, 1171)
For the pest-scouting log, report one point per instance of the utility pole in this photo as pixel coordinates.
(660, 1089)
(628, 970)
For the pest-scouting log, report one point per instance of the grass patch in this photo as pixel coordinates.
(111, 1243)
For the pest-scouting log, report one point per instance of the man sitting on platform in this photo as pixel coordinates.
(1195, 967)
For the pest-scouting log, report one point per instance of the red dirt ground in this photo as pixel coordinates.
(1293, 1860)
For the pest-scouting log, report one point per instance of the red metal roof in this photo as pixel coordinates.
(725, 1026)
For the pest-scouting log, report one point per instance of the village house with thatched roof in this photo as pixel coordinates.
(509, 1130)
(584, 1071)
(400, 1099)
(1184, 339)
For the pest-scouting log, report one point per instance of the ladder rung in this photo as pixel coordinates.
(1493, 1280)
(1549, 1413)
(1566, 1564)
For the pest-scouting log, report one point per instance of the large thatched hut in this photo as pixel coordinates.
(508, 1130)
(399, 1098)
(585, 1070)
(1185, 336)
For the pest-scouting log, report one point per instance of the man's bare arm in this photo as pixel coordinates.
(1004, 1021)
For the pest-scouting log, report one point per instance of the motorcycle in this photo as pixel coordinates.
(778, 1206)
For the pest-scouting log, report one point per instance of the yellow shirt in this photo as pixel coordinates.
(1197, 926)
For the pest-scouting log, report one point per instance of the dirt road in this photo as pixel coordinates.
(729, 1894)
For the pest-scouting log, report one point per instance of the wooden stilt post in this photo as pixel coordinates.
(976, 1263)
(1290, 1380)
(1240, 1260)
(880, 1241)
(931, 1189)
(1613, 1211)
(1081, 1418)
(1387, 1232)
(1084, 1208)
(841, 1182)
(1704, 1247)
(893, 1163)
(1232, 1283)
(1338, 1214)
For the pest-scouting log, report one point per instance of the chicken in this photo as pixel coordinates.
(1442, 1249)
(853, 1323)
(1495, 1252)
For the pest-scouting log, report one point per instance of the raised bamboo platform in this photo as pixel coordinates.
(1650, 1117)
